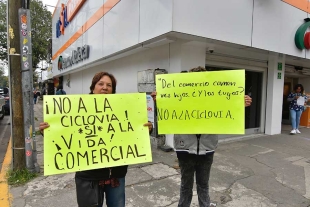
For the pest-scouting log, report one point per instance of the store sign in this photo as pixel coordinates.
(300, 4)
(66, 15)
(302, 38)
(63, 22)
(78, 55)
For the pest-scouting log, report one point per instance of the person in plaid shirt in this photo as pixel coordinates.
(298, 101)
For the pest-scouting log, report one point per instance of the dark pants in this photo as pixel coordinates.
(189, 165)
(90, 194)
(115, 197)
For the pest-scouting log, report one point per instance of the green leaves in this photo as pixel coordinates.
(19, 177)
(3, 31)
(41, 31)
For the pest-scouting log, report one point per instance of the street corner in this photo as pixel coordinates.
(154, 193)
(156, 186)
(239, 195)
(132, 178)
(42, 191)
(48, 186)
(225, 171)
(5, 196)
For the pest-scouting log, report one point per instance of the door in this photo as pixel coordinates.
(253, 88)
(285, 109)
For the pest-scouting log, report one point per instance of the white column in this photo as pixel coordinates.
(185, 56)
(274, 94)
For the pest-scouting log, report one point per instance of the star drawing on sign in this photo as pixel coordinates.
(99, 128)
(80, 130)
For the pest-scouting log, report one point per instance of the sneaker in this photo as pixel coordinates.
(293, 131)
(298, 132)
(213, 204)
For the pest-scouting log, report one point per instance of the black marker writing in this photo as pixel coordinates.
(165, 114)
(96, 156)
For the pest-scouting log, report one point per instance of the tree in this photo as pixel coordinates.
(4, 82)
(3, 29)
(41, 31)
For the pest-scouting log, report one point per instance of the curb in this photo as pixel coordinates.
(5, 196)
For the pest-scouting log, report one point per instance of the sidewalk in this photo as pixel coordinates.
(266, 171)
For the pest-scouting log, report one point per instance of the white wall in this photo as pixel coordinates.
(274, 26)
(268, 25)
(229, 21)
(124, 69)
(265, 24)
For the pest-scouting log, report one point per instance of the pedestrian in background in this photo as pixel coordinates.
(297, 100)
(38, 96)
(35, 96)
(60, 90)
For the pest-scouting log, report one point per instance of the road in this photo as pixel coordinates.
(4, 137)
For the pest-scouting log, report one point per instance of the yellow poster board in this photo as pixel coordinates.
(95, 131)
(201, 102)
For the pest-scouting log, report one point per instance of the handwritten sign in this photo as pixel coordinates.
(95, 131)
(201, 102)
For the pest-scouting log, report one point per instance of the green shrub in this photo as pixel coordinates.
(20, 177)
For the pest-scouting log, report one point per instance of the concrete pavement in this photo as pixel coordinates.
(5, 132)
(265, 171)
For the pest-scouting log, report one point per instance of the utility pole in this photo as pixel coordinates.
(18, 135)
(27, 84)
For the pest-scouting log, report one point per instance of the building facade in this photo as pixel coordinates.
(126, 37)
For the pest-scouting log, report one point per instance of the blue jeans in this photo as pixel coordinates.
(295, 118)
(115, 197)
(189, 165)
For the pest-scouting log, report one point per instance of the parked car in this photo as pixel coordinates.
(2, 110)
(6, 104)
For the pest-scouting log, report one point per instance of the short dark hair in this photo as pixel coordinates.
(97, 78)
(198, 69)
(301, 87)
(59, 87)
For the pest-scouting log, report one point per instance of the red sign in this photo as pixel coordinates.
(302, 37)
(28, 153)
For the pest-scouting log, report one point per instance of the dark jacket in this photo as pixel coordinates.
(61, 92)
(103, 173)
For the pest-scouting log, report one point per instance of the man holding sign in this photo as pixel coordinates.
(195, 108)
(97, 137)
